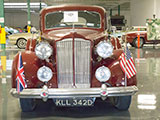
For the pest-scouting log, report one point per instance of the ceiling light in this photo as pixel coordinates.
(24, 5)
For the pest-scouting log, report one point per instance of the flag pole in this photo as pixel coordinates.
(125, 50)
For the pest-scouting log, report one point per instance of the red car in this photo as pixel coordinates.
(73, 64)
(132, 37)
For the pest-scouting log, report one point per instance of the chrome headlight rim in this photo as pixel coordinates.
(43, 56)
(101, 44)
(43, 72)
(105, 71)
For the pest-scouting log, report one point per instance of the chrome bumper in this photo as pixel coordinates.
(74, 92)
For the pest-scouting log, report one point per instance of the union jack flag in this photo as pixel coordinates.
(127, 63)
(20, 77)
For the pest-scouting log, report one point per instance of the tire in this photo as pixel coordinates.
(132, 44)
(122, 102)
(21, 43)
(27, 104)
(135, 42)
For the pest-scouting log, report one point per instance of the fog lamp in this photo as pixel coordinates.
(44, 74)
(103, 74)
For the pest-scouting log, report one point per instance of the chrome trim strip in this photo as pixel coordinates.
(75, 92)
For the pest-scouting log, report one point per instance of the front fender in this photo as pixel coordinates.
(117, 75)
(31, 64)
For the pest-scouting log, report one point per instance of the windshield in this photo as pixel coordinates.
(80, 19)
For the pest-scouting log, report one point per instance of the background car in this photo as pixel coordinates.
(11, 30)
(132, 36)
(20, 39)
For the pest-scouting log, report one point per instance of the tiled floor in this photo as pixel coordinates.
(145, 104)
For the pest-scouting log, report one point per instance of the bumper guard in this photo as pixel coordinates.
(104, 91)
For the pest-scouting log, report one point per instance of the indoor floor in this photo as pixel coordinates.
(145, 103)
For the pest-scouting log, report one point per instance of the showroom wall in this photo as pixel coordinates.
(142, 9)
(139, 11)
(19, 19)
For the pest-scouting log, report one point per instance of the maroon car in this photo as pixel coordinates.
(132, 37)
(73, 64)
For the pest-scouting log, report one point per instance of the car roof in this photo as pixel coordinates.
(78, 7)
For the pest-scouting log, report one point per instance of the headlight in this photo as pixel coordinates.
(44, 74)
(103, 74)
(43, 50)
(104, 49)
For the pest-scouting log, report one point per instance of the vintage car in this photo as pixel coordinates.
(132, 37)
(20, 39)
(10, 30)
(74, 62)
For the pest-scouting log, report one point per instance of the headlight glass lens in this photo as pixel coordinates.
(104, 49)
(44, 74)
(103, 74)
(43, 50)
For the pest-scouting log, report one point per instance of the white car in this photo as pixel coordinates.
(20, 39)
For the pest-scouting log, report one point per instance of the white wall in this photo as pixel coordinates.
(142, 10)
(19, 19)
(158, 8)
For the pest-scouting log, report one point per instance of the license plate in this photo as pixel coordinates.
(74, 101)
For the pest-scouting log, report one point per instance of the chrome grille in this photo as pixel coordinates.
(81, 63)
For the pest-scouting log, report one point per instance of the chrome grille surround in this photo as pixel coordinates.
(82, 60)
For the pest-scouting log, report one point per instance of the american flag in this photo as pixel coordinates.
(20, 77)
(127, 63)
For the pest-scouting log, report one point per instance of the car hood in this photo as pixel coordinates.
(22, 35)
(86, 33)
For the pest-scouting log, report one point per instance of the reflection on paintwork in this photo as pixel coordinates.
(146, 101)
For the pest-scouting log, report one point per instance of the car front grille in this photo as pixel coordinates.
(73, 67)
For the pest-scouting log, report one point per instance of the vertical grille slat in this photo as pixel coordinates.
(64, 63)
(81, 61)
